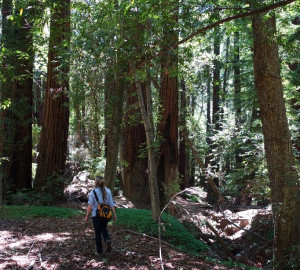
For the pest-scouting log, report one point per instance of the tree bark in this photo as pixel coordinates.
(135, 164)
(113, 118)
(183, 158)
(54, 134)
(147, 117)
(168, 125)
(242, 181)
(280, 161)
(16, 89)
(213, 160)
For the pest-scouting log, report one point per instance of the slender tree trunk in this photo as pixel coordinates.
(183, 157)
(210, 180)
(54, 135)
(147, 116)
(242, 181)
(208, 115)
(216, 81)
(211, 198)
(16, 93)
(96, 151)
(114, 112)
(280, 161)
(226, 73)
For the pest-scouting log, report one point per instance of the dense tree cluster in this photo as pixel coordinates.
(157, 96)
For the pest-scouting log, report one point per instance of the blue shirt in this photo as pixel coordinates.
(92, 199)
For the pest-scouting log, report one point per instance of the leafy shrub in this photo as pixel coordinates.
(51, 194)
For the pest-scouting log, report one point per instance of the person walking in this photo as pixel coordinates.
(100, 224)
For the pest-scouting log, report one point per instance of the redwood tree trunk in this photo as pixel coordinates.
(147, 116)
(168, 126)
(16, 88)
(135, 177)
(54, 134)
(280, 161)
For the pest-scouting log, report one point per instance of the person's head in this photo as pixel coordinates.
(99, 181)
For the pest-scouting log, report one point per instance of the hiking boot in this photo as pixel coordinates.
(108, 246)
(97, 253)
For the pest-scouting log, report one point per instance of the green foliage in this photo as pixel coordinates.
(172, 188)
(231, 264)
(50, 194)
(172, 230)
(192, 198)
(36, 131)
(293, 260)
(95, 166)
(24, 212)
(5, 104)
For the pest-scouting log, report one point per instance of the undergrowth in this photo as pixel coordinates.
(172, 231)
(23, 212)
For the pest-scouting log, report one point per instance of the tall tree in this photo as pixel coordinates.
(135, 163)
(211, 197)
(183, 157)
(168, 126)
(237, 113)
(147, 116)
(16, 96)
(115, 89)
(54, 134)
(280, 161)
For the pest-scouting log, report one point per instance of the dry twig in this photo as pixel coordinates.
(220, 240)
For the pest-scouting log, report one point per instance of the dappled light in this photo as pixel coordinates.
(168, 128)
(50, 243)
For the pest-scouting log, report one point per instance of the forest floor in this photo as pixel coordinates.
(53, 243)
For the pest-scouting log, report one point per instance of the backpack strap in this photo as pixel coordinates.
(95, 194)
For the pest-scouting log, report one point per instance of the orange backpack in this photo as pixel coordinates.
(103, 210)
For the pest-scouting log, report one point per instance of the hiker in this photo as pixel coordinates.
(100, 224)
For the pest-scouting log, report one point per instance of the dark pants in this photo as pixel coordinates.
(100, 227)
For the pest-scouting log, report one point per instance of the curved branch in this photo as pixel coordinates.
(238, 16)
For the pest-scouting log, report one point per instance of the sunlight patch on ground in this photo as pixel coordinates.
(4, 236)
(19, 241)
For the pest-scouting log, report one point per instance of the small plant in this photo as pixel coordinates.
(192, 198)
(172, 188)
(22, 197)
(52, 192)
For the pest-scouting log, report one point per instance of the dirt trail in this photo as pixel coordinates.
(51, 243)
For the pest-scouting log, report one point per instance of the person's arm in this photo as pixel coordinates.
(114, 212)
(88, 211)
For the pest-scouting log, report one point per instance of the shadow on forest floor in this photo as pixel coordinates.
(53, 243)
